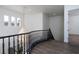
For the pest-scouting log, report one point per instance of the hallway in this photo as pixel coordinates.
(55, 47)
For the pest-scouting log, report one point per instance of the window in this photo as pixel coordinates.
(6, 20)
(13, 20)
(18, 21)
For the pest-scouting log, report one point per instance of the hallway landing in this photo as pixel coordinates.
(55, 47)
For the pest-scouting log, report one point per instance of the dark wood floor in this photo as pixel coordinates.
(74, 39)
(55, 47)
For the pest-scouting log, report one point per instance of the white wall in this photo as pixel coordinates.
(8, 30)
(56, 24)
(65, 24)
(73, 24)
(33, 22)
(45, 22)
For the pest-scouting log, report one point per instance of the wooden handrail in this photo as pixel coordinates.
(21, 34)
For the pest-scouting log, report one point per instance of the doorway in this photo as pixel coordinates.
(73, 27)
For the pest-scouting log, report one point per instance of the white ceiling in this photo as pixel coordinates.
(48, 9)
(74, 12)
(16, 8)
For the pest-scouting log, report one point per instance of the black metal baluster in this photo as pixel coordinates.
(3, 46)
(17, 44)
(29, 44)
(21, 43)
(24, 44)
(28, 51)
(14, 44)
(9, 45)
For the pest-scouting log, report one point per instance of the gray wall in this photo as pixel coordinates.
(56, 24)
(73, 24)
(33, 22)
(45, 22)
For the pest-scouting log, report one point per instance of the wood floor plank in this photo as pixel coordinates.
(54, 47)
